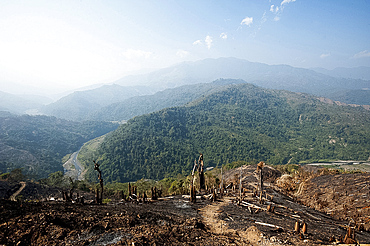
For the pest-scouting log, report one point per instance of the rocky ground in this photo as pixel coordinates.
(254, 220)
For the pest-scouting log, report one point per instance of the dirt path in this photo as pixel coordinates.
(12, 198)
(210, 213)
(250, 236)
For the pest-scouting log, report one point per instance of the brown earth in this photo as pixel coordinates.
(176, 221)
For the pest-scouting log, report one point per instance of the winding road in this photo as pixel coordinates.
(73, 168)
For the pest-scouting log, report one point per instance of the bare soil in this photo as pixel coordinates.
(176, 221)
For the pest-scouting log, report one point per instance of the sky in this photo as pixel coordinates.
(67, 44)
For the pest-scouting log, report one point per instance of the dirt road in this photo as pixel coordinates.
(13, 197)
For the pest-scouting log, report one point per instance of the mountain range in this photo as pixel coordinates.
(80, 106)
(89, 104)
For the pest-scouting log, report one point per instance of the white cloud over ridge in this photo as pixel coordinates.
(247, 21)
(182, 53)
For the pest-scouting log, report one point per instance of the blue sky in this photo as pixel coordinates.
(69, 44)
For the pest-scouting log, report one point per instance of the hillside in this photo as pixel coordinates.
(140, 105)
(358, 97)
(240, 122)
(38, 143)
(79, 104)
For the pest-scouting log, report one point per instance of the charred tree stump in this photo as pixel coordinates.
(66, 197)
(192, 187)
(99, 199)
(202, 181)
(297, 227)
(129, 189)
(222, 188)
(154, 193)
(304, 228)
(259, 169)
(350, 236)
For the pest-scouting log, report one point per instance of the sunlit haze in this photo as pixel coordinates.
(72, 44)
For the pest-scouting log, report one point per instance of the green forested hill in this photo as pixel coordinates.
(240, 122)
(38, 143)
(178, 96)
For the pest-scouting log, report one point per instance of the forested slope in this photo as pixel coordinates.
(178, 96)
(240, 122)
(38, 143)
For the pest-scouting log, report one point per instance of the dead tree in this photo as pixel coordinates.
(222, 184)
(259, 169)
(350, 236)
(73, 186)
(99, 200)
(202, 181)
(154, 193)
(192, 186)
(240, 183)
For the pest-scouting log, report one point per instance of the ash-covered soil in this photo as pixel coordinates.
(269, 219)
(167, 222)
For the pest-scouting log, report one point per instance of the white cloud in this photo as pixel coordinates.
(182, 53)
(197, 42)
(323, 56)
(208, 41)
(276, 18)
(132, 54)
(362, 54)
(274, 9)
(286, 1)
(247, 21)
(223, 35)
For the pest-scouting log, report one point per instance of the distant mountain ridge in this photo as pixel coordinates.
(110, 99)
(80, 104)
(270, 76)
(343, 72)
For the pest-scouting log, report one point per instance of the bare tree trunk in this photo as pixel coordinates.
(202, 182)
(192, 188)
(99, 199)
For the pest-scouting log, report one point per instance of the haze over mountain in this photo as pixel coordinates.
(237, 122)
(92, 103)
(343, 72)
(80, 104)
(269, 76)
(19, 104)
